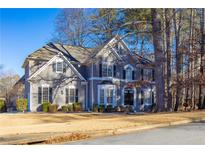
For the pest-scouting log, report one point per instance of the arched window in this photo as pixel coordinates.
(128, 72)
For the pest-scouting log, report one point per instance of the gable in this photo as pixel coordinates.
(49, 72)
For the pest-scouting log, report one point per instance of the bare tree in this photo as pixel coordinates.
(72, 27)
(7, 80)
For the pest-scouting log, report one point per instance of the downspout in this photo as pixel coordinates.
(92, 89)
(86, 99)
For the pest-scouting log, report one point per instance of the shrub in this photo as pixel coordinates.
(53, 108)
(119, 108)
(2, 106)
(21, 104)
(185, 105)
(129, 108)
(70, 107)
(45, 106)
(77, 107)
(109, 108)
(101, 108)
(64, 108)
(95, 107)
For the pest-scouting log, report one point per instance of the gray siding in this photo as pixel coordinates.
(59, 82)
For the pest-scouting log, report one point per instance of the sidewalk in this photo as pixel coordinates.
(65, 127)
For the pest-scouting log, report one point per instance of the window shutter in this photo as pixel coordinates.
(153, 98)
(54, 67)
(124, 74)
(100, 70)
(66, 96)
(142, 97)
(39, 95)
(50, 95)
(64, 67)
(153, 75)
(76, 95)
(114, 70)
(142, 74)
(133, 75)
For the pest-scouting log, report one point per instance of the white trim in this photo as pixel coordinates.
(71, 87)
(75, 70)
(44, 86)
(92, 98)
(105, 88)
(59, 61)
(111, 79)
(110, 47)
(30, 97)
(43, 67)
(51, 60)
(107, 65)
(128, 65)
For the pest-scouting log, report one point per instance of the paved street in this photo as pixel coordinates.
(193, 133)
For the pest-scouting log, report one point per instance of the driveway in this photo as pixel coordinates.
(192, 133)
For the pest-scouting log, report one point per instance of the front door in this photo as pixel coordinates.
(128, 97)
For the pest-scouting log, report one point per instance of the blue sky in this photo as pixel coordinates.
(23, 31)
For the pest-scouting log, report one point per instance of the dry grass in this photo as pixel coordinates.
(11, 124)
(64, 138)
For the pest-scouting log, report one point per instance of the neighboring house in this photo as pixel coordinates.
(109, 75)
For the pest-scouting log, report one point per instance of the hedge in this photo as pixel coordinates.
(101, 108)
(53, 108)
(2, 106)
(70, 107)
(109, 108)
(21, 104)
(77, 107)
(64, 108)
(95, 107)
(45, 106)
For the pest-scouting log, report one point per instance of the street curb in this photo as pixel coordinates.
(141, 128)
(101, 133)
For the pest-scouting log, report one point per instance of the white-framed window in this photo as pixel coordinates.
(109, 96)
(119, 49)
(106, 94)
(128, 72)
(107, 69)
(71, 95)
(102, 96)
(58, 66)
(45, 94)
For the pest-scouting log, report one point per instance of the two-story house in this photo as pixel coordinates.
(109, 75)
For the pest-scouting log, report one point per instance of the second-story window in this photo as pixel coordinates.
(59, 66)
(107, 70)
(128, 73)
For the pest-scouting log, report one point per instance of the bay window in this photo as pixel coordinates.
(109, 96)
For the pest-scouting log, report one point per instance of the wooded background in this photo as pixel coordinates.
(174, 36)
